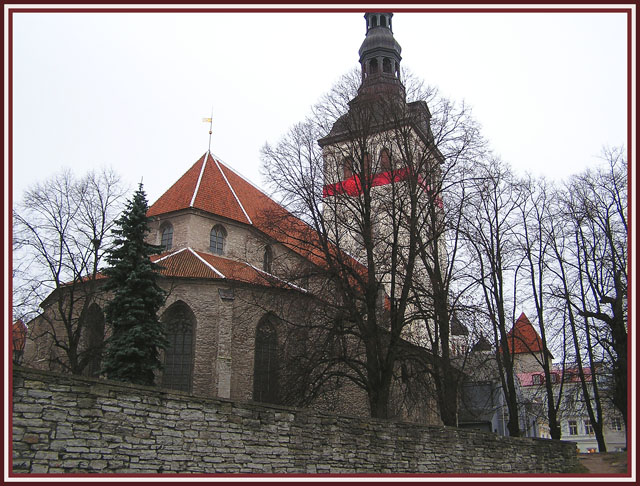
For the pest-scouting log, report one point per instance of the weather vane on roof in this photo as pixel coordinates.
(210, 120)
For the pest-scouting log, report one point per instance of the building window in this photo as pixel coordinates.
(366, 169)
(267, 260)
(179, 322)
(166, 241)
(616, 424)
(588, 428)
(404, 373)
(218, 235)
(537, 379)
(573, 427)
(92, 323)
(385, 161)
(386, 65)
(348, 167)
(265, 364)
(554, 377)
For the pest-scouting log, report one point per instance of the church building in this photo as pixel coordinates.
(237, 314)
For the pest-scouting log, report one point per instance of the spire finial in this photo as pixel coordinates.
(210, 120)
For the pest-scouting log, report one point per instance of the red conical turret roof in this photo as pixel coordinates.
(523, 338)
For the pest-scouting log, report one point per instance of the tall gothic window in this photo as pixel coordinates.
(92, 322)
(218, 235)
(385, 161)
(347, 164)
(367, 165)
(166, 240)
(265, 364)
(267, 261)
(179, 322)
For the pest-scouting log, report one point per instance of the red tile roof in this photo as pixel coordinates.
(203, 187)
(211, 186)
(523, 338)
(568, 375)
(188, 263)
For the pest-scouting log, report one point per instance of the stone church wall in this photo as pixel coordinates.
(66, 424)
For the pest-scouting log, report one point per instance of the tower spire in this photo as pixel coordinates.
(380, 57)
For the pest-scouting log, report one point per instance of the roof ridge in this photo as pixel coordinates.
(233, 192)
(170, 255)
(255, 186)
(277, 278)
(195, 191)
(205, 262)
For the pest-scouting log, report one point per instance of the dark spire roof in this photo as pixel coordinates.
(482, 345)
(457, 328)
(380, 57)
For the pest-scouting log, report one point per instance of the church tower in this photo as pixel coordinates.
(380, 160)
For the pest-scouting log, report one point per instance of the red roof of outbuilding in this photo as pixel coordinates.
(523, 338)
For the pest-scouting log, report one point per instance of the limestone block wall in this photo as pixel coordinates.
(66, 424)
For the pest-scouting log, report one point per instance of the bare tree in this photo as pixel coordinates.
(490, 228)
(591, 253)
(536, 213)
(440, 298)
(61, 233)
(371, 195)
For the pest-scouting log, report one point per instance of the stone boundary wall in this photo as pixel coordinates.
(69, 424)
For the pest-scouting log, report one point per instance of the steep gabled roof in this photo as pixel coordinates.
(523, 338)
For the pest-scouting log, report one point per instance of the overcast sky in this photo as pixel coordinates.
(129, 90)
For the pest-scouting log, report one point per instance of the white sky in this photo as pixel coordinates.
(129, 90)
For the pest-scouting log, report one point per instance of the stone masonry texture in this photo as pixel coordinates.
(69, 424)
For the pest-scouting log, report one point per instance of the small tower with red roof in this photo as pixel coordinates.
(526, 346)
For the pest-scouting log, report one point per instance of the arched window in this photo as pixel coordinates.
(166, 240)
(375, 20)
(373, 66)
(180, 323)
(385, 161)
(383, 22)
(348, 167)
(92, 328)
(267, 260)
(367, 165)
(265, 363)
(386, 65)
(218, 235)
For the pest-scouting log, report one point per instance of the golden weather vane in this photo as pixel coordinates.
(210, 120)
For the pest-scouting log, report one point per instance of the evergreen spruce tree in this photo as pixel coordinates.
(132, 353)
